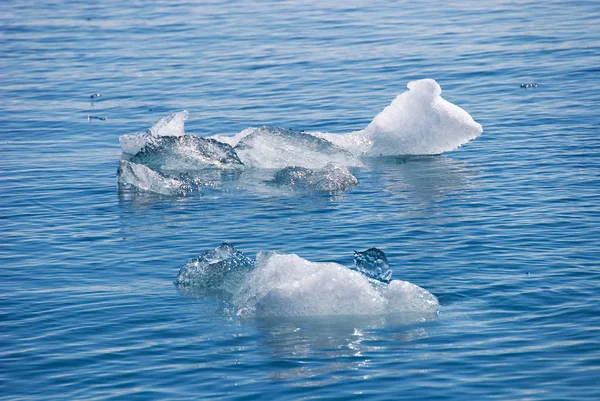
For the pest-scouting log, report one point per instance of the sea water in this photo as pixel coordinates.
(504, 231)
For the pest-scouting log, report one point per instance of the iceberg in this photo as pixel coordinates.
(331, 178)
(274, 147)
(186, 153)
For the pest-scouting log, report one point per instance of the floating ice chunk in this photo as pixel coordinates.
(330, 178)
(420, 122)
(186, 153)
(143, 178)
(404, 297)
(287, 285)
(273, 147)
(222, 268)
(171, 125)
(373, 264)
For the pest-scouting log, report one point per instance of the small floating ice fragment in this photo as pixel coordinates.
(373, 264)
(331, 178)
(530, 85)
(95, 96)
(90, 118)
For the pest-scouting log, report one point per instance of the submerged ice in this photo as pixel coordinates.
(278, 284)
(331, 178)
(418, 122)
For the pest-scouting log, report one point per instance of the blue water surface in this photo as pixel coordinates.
(504, 231)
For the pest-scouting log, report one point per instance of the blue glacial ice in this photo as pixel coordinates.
(373, 264)
(171, 125)
(331, 178)
(222, 268)
(169, 154)
(277, 284)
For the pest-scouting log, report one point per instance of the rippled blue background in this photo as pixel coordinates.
(505, 231)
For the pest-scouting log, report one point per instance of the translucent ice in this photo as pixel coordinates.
(273, 147)
(141, 177)
(186, 153)
(330, 178)
(373, 264)
(222, 268)
(287, 285)
(171, 125)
